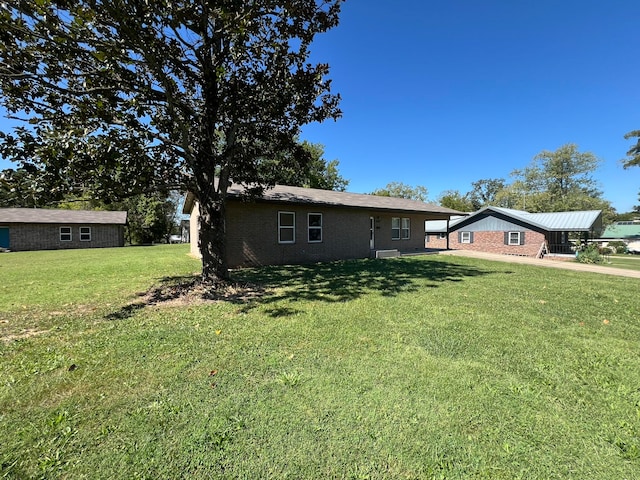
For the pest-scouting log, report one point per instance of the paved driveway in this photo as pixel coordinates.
(546, 262)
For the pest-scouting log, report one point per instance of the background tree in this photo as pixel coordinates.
(133, 96)
(455, 200)
(485, 192)
(151, 218)
(633, 155)
(401, 190)
(557, 181)
(18, 188)
(318, 173)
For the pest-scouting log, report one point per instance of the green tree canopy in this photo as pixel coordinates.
(485, 192)
(455, 200)
(633, 155)
(318, 173)
(401, 190)
(132, 96)
(560, 180)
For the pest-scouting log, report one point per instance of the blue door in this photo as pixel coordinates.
(4, 237)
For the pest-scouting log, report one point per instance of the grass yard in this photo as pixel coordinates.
(632, 262)
(412, 368)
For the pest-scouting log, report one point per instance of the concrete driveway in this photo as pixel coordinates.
(545, 262)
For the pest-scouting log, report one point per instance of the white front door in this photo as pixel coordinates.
(372, 233)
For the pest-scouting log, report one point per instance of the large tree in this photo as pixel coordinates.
(402, 190)
(318, 173)
(485, 192)
(122, 97)
(455, 200)
(560, 180)
(633, 155)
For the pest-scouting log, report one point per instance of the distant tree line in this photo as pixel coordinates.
(560, 180)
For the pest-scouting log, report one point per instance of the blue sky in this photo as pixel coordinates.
(444, 93)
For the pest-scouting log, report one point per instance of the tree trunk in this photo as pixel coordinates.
(212, 238)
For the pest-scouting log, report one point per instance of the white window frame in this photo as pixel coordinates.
(406, 228)
(518, 238)
(282, 228)
(465, 237)
(85, 234)
(395, 228)
(314, 227)
(66, 235)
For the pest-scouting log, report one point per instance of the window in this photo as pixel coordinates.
(442, 236)
(406, 228)
(65, 234)
(466, 237)
(514, 238)
(85, 234)
(315, 227)
(286, 227)
(400, 228)
(395, 228)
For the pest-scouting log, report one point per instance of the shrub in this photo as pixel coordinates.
(589, 254)
(618, 246)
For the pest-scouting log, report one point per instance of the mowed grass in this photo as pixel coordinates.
(631, 262)
(422, 367)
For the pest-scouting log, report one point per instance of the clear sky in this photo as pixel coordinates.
(444, 93)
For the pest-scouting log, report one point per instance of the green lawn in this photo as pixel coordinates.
(422, 367)
(632, 262)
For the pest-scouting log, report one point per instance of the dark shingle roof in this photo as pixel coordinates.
(313, 196)
(45, 215)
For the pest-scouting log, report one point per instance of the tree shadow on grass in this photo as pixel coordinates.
(278, 287)
(348, 280)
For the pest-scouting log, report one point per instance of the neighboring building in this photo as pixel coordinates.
(628, 231)
(290, 225)
(44, 229)
(514, 232)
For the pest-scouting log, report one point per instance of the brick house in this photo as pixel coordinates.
(514, 232)
(47, 229)
(292, 225)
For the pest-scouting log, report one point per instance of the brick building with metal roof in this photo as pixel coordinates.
(515, 232)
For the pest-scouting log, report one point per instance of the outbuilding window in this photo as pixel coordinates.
(85, 234)
(314, 221)
(465, 237)
(65, 234)
(286, 227)
(514, 238)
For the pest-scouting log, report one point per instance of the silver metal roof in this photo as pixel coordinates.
(45, 215)
(555, 221)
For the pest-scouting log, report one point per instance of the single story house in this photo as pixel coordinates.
(48, 229)
(514, 232)
(292, 225)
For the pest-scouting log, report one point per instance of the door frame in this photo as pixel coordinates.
(8, 238)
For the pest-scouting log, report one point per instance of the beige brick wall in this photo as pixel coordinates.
(35, 236)
(491, 242)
